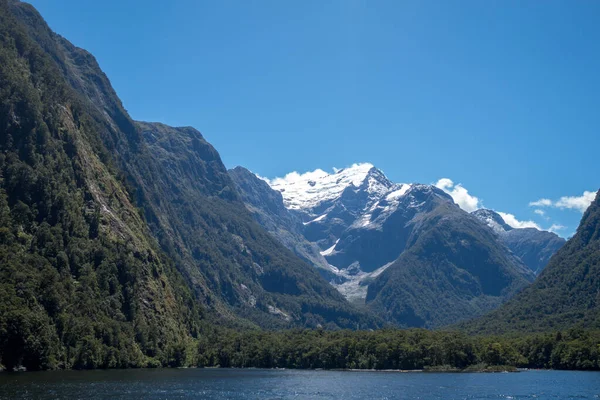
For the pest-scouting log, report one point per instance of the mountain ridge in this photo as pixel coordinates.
(363, 223)
(533, 246)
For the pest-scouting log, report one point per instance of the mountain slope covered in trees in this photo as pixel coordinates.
(452, 269)
(122, 243)
(185, 195)
(567, 292)
(202, 223)
(82, 282)
(116, 239)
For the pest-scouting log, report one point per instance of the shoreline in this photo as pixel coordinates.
(489, 369)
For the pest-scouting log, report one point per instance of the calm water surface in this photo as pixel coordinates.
(289, 384)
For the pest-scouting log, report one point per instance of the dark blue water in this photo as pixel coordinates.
(288, 384)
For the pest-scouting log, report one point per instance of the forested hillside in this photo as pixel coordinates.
(567, 292)
(202, 224)
(129, 244)
(82, 282)
(111, 256)
(453, 269)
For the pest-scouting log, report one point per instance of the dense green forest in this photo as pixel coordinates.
(387, 349)
(76, 281)
(399, 349)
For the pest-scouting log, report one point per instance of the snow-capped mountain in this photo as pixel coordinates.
(329, 203)
(381, 232)
(309, 192)
(362, 224)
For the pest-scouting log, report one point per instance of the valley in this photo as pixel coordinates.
(129, 244)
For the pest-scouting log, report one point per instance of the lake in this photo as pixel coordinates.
(292, 384)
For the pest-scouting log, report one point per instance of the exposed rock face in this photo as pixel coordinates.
(266, 205)
(197, 215)
(373, 233)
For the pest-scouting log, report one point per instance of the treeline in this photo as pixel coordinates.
(415, 349)
(398, 349)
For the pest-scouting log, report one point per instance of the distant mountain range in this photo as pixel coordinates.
(533, 246)
(406, 250)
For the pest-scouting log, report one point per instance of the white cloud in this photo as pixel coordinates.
(460, 195)
(541, 203)
(540, 212)
(515, 223)
(471, 203)
(579, 203)
(557, 227)
(295, 177)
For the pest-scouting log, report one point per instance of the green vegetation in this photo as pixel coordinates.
(98, 269)
(173, 192)
(124, 245)
(81, 285)
(453, 269)
(566, 294)
(399, 350)
(196, 214)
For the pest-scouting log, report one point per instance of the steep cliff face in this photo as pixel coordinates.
(193, 209)
(266, 206)
(116, 237)
(566, 293)
(202, 223)
(83, 282)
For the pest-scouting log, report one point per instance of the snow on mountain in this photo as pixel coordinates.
(356, 227)
(533, 246)
(308, 190)
(396, 194)
(493, 220)
(330, 250)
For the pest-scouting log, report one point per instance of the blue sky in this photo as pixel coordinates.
(502, 97)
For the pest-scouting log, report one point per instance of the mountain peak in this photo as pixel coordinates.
(423, 189)
(492, 219)
(309, 189)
